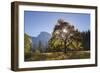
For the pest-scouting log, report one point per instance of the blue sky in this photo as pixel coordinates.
(37, 21)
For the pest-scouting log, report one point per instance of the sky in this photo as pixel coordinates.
(39, 21)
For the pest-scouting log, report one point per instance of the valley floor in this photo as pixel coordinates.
(59, 55)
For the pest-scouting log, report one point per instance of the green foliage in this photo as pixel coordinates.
(62, 41)
(86, 40)
(75, 45)
(27, 46)
(79, 41)
(55, 45)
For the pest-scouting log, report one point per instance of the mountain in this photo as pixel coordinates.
(41, 41)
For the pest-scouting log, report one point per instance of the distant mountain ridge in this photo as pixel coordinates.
(41, 41)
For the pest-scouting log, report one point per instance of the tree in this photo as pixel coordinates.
(61, 35)
(86, 39)
(55, 45)
(76, 43)
(65, 37)
(27, 46)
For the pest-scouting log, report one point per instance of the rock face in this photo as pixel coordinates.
(41, 41)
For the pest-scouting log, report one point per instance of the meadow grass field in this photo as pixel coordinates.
(58, 55)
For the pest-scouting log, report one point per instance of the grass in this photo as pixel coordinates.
(58, 56)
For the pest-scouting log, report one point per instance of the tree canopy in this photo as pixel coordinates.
(66, 37)
(27, 45)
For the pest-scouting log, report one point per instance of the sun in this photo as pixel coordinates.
(65, 30)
